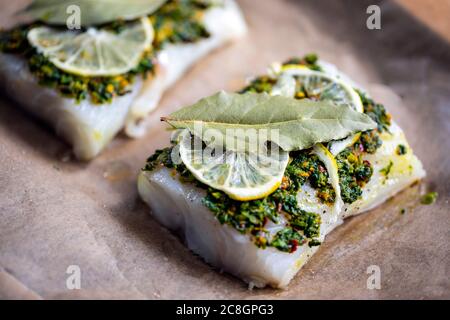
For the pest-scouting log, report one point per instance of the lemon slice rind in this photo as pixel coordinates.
(301, 71)
(332, 168)
(94, 52)
(242, 175)
(338, 146)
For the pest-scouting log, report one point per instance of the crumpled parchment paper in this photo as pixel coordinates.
(56, 212)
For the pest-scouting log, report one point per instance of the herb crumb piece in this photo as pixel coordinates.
(401, 149)
(376, 111)
(251, 216)
(354, 173)
(429, 198)
(177, 21)
(386, 170)
(403, 211)
(314, 243)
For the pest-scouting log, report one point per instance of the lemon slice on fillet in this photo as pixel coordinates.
(332, 168)
(337, 146)
(243, 175)
(324, 87)
(95, 52)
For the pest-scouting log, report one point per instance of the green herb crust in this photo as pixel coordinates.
(302, 227)
(177, 21)
(260, 84)
(305, 166)
(376, 111)
(386, 170)
(353, 173)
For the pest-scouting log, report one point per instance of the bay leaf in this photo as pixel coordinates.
(92, 12)
(300, 123)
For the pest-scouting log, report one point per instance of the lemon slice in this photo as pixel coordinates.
(338, 146)
(243, 175)
(94, 52)
(323, 87)
(332, 168)
(293, 67)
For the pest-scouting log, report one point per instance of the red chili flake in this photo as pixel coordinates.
(284, 183)
(294, 245)
(279, 207)
(366, 163)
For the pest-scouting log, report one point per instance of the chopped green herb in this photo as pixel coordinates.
(386, 170)
(265, 83)
(370, 141)
(307, 167)
(302, 227)
(163, 157)
(310, 61)
(354, 173)
(287, 240)
(376, 111)
(260, 84)
(429, 198)
(401, 149)
(251, 217)
(179, 21)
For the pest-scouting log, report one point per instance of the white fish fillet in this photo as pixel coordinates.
(178, 206)
(89, 128)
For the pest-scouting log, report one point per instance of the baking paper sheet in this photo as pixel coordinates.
(56, 212)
